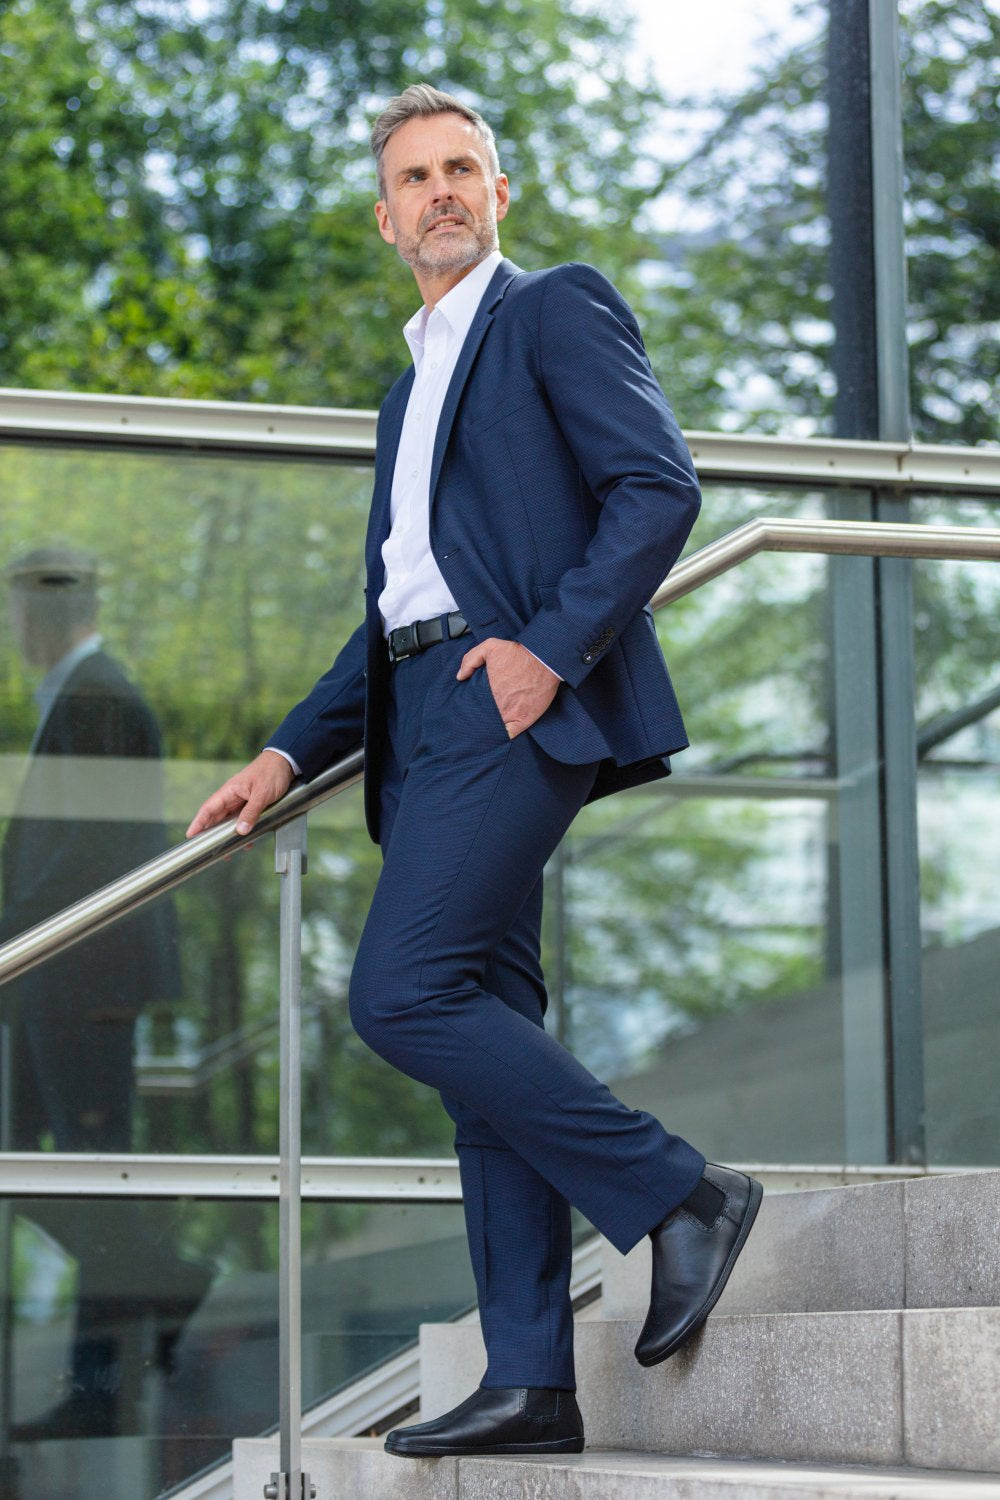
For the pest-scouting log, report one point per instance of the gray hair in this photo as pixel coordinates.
(421, 101)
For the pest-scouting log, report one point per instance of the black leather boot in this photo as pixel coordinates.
(693, 1255)
(519, 1419)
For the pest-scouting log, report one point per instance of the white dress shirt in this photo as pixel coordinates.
(414, 588)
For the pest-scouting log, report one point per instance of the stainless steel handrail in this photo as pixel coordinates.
(167, 870)
(849, 538)
(765, 534)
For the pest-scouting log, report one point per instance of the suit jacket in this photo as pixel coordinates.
(49, 862)
(561, 494)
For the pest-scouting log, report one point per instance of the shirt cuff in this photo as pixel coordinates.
(544, 664)
(285, 756)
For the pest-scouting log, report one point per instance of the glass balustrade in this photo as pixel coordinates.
(141, 1336)
(715, 943)
(957, 605)
(698, 950)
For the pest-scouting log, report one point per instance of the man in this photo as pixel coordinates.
(531, 491)
(72, 1019)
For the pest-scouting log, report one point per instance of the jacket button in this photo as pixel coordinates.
(588, 656)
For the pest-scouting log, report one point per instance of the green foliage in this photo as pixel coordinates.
(742, 330)
(185, 199)
(211, 230)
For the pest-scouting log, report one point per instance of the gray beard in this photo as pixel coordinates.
(459, 256)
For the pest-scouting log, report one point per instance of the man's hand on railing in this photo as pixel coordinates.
(248, 793)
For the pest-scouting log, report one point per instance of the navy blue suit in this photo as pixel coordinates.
(561, 494)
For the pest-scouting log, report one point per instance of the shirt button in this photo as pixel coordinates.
(413, 473)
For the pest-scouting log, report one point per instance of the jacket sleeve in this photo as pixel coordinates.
(632, 457)
(330, 720)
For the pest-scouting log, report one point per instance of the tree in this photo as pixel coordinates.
(744, 319)
(230, 248)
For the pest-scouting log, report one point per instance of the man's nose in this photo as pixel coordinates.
(440, 188)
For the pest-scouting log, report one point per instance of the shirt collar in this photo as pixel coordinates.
(458, 307)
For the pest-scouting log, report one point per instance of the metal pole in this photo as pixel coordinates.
(895, 581)
(868, 273)
(856, 865)
(290, 1483)
(850, 206)
(902, 850)
(8, 1464)
(856, 854)
(887, 222)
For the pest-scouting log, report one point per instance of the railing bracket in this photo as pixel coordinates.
(280, 1489)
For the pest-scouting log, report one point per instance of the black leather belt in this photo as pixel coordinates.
(408, 640)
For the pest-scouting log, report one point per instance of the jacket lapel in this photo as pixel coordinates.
(499, 282)
(387, 446)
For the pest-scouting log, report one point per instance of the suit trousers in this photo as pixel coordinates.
(447, 986)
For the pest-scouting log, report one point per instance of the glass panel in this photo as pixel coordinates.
(958, 719)
(736, 281)
(100, 1061)
(142, 1336)
(745, 830)
(372, 1273)
(140, 1340)
(709, 918)
(223, 587)
(354, 1104)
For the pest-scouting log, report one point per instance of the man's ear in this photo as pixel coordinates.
(503, 196)
(385, 228)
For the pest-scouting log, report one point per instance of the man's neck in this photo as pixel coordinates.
(68, 647)
(433, 288)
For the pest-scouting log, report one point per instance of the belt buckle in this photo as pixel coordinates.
(403, 642)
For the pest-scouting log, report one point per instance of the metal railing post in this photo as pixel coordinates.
(290, 1483)
(8, 1463)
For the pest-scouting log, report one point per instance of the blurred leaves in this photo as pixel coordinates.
(188, 201)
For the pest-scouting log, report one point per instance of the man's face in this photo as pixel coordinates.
(28, 627)
(442, 201)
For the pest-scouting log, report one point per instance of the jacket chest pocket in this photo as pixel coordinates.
(482, 415)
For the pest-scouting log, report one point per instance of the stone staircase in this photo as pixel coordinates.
(855, 1353)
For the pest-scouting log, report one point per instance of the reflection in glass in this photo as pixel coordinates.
(372, 1273)
(958, 749)
(709, 958)
(89, 808)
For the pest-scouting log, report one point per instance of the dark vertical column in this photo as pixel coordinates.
(895, 601)
(855, 848)
(867, 271)
(852, 228)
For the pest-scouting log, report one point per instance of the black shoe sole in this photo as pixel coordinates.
(448, 1450)
(756, 1194)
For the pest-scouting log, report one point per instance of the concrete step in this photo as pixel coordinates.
(912, 1387)
(359, 1468)
(923, 1242)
